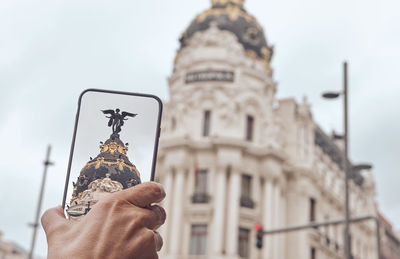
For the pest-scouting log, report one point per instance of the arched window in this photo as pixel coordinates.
(249, 128)
(173, 124)
(206, 123)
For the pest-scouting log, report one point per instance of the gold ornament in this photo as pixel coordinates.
(100, 161)
(224, 2)
(112, 147)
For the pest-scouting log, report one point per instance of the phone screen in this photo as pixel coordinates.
(114, 146)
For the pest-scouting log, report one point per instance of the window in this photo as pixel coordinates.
(201, 181)
(206, 123)
(244, 242)
(198, 240)
(200, 187)
(313, 253)
(245, 199)
(249, 128)
(173, 124)
(312, 209)
(246, 185)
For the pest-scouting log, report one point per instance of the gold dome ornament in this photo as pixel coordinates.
(224, 2)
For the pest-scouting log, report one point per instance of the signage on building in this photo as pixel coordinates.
(201, 76)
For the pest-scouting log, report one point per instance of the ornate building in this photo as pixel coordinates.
(10, 250)
(232, 155)
(390, 239)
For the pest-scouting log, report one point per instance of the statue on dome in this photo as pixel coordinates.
(117, 119)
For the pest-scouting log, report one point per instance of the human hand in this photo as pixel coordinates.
(122, 225)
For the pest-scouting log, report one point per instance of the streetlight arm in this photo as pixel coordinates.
(332, 95)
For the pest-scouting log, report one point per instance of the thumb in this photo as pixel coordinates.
(53, 218)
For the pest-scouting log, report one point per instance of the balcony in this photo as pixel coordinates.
(200, 198)
(246, 202)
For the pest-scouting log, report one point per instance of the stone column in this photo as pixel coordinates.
(282, 224)
(233, 215)
(219, 211)
(165, 230)
(177, 210)
(276, 219)
(267, 218)
(297, 242)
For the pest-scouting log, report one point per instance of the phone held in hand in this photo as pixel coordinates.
(114, 146)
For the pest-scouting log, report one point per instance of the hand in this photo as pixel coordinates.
(122, 225)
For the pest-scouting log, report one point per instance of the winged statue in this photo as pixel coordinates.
(117, 119)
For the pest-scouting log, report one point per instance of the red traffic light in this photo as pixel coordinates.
(259, 235)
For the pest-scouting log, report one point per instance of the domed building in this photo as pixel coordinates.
(109, 172)
(231, 155)
(231, 16)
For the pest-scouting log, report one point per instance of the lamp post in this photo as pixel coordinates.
(345, 160)
(35, 225)
(333, 95)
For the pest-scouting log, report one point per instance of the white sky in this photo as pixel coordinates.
(50, 50)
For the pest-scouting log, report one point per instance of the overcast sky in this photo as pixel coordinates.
(50, 50)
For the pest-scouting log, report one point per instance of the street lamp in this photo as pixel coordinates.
(334, 95)
(360, 167)
(331, 95)
(337, 137)
(346, 168)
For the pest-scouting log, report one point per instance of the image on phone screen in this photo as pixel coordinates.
(114, 146)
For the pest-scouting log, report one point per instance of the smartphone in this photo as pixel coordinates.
(114, 146)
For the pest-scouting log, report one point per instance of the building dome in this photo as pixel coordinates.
(110, 171)
(231, 16)
(112, 160)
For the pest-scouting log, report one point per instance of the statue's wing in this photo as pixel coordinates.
(111, 112)
(124, 114)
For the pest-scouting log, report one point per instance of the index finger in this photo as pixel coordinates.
(142, 195)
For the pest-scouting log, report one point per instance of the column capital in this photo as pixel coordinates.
(222, 168)
(228, 169)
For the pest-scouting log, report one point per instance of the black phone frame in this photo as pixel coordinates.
(155, 151)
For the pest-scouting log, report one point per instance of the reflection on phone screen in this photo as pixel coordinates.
(114, 147)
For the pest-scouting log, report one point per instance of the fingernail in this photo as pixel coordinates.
(158, 240)
(162, 191)
(162, 214)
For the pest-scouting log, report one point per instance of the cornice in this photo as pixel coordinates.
(213, 143)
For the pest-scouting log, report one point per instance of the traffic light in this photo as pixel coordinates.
(260, 235)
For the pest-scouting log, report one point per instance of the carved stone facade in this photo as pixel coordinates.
(261, 160)
(10, 250)
(97, 190)
(390, 240)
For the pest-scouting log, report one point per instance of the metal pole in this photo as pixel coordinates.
(39, 205)
(316, 225)
(332, 222)
(345, 164)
